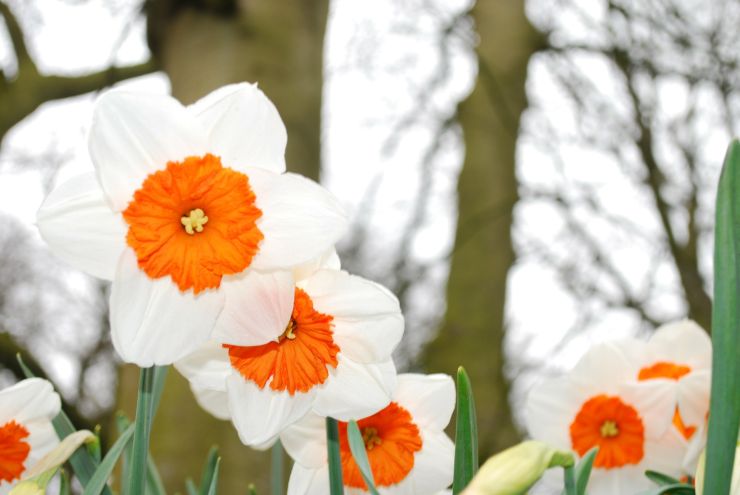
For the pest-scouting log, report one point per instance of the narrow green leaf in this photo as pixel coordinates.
(674, 489)
(122, 422)
(65, 487)
(357, 447)
(102, 474)
(583, 470)
(336, 486)
(725, 399)
(83, 464)
(190, 487)
(277, 469)
(142, 429)
(466, 434)
(213, 486)
(661, 479)
(154, 484)
(160, 374)
(209, 469)
(570, 480)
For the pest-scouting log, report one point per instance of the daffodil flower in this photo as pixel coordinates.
(26, 433)
(331, 340)
(408, 450)
(679, 356)
(186, 203)
(600, 403)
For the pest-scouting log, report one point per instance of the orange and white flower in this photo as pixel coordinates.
(407, 447)
(680, 355)
(330, 352)
(600, 403)
(186, 202)
(26, 433)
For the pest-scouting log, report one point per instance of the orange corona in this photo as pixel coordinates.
(13, 451)
(391, 439)
(671, 371)
(612, 425)
(194, 221)
(299, 360)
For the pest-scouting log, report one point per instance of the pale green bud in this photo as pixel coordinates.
(515, 470)
(735, 484)
(28, 488)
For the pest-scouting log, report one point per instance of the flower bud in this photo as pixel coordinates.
(515, 470)
(28, 488)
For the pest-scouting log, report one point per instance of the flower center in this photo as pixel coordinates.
(13, 451)
(612, 425)
(671, 371)
(169, 209)
(370, 437)
(391, 438)
(301, 357)
(609, 429)
(194, 221)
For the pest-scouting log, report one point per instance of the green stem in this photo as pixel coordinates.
(276, 469)
(143, 422)
(570, 481)
(336, 487)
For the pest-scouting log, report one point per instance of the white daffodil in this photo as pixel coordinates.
(331, 340)
(186, 202)
(408, 450)
(600, 403)
(680, 355)
(26, 433)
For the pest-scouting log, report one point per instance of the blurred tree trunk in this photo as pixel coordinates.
(202, 47)
(472, 334)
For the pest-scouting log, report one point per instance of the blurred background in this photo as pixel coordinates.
(526, 176)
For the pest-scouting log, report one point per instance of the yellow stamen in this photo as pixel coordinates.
(609, 429)
(370, 437)
(194, 221)
(288, 333)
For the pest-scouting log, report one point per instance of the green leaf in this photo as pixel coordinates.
(213, 486)
(83, 464)
(209, 471)
(466, 434)
(336, 487)
(570, 480)
(154, 484)
(99, 480)
(65, 487)
(583, 470)
(357, 447)
(661, 479)
(277, 469)
(190, 487)
(674, 489)
(142, 429)
(725, 401)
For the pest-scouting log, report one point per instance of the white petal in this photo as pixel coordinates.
(551, 407)
(666, 454)
(206, 367)
(694, 449)
(354, 390)
(152, 321)
(244, 127)
(367, 317)
(305, 441)
(308, 481)
(655, 401)
(42, 439)
(257, 309)
(601, 370)
(682, 342)
(433, 466)
(693, 397)
(300, 219)
(214, 402)
(80, 227)
(29, 400)
(328, 260)
(261, 414)
(135, 134)
(429, 398)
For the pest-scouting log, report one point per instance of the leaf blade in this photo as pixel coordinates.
(336, 486)
(357, 447)
(466, 434)
(100, 478)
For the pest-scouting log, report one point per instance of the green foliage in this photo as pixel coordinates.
(583, 470)
(357, 446)
(102, 474)
(335, 460)
(277, 469)
(661, 479)
(725, 399)
(673, 489)
(466, 434)
(210, 471)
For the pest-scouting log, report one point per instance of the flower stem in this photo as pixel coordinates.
(277, 466)
(335, 461)
(143, 424)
